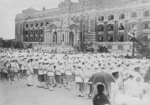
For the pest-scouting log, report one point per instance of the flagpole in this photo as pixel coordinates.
(82, 28)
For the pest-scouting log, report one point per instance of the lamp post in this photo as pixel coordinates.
(133, 34)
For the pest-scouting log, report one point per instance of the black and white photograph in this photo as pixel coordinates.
(75, 52)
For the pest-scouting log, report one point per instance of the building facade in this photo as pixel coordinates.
(105, 22)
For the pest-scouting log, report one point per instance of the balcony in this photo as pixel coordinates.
(110, 32)
(146, 31)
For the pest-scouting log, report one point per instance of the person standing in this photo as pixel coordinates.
(40, 75)
(68, 74)
(114, 87)
(51, 77)
(79, 81)
(30, 73)
(58, 75)
(100, 98)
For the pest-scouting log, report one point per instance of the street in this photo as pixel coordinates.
(20, 94)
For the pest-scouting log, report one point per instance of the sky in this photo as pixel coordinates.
(10, 8)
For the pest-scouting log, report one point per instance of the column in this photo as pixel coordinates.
(60, 33)
(78, 32)
(45, 40)
(51, 38)
(48, 37)
(64, 37)
(57, 37)
(67, 37)
(74, 37)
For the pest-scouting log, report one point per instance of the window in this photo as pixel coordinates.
(55, 37)
(41, 24)
(35, 31)
(101, 18)
(31, 25)
(147, 25)
(134, 15)
(111, 17)
(120, 38)
(122, 16)
(26, 32)
(110, 39)
(27, 25)
(31, 38)
(26, 38)
(36, 24)
(31, 32)
(47, 23)
(100, 28)
(146, 13)
(110, 27)
(41, 31)
(121, 26)
(100, 39)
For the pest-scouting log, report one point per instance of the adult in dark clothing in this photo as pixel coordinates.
(100, 98)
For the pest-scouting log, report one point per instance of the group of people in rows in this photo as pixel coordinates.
(130, 87)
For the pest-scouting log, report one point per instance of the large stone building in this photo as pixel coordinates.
(105, 22)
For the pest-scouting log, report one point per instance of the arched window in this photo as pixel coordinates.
(101, 18)
(134, 15)
(121, 26)
(36, 25)
(111, 17)
(41, 31)
(122, 16)
(27, 25)
(41, 24)
(146, 13)
(31, 25)
(35, 31)
(47, 23)
(110, 27)
(55, 37)
(31, 32)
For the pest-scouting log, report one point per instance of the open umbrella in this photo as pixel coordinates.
(101, 77)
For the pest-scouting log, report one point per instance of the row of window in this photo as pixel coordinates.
(122, 27)
(34, 32)
(111, 39)
(120, 47)
(33, 38)
(122, 16)
(37, 24)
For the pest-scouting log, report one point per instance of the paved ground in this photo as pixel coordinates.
(19, 94)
